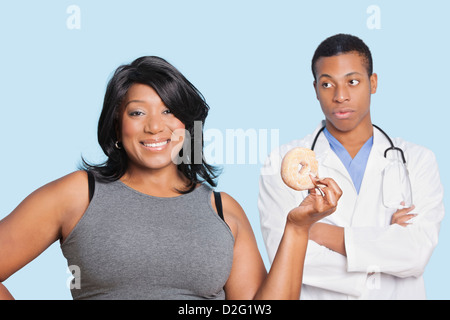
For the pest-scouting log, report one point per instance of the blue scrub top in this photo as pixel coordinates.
(355, 166)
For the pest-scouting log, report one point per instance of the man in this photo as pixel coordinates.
(369, 248)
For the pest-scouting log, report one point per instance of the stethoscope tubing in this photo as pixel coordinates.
(392, 147)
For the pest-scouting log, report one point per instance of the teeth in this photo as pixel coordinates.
(154, 145)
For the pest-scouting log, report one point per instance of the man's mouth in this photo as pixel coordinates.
(343, 114)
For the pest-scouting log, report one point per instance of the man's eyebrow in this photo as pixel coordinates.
(353, 73)
(326, 75)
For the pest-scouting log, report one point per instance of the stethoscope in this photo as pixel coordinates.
(391, 197)
(392, 147)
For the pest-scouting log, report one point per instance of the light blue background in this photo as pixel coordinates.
(250, 59)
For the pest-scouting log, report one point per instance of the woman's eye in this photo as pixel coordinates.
(167, 111)
(136, 113)
(354, 82)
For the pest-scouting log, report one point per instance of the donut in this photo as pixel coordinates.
(297, 166)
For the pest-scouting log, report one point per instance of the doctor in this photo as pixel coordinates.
(369, 248)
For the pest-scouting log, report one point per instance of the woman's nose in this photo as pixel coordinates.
(154, 125)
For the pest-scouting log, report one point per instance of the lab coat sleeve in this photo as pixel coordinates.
(396, 250)
(327, 270)
(323, 268)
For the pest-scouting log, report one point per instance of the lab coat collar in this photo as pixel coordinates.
(325, 156)
(328, 158)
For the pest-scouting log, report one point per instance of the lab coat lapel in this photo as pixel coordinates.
(331, 166)
(370, 194)
(376, 162)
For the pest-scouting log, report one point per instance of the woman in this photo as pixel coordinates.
(147, 225)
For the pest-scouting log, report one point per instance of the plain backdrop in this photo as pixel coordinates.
(251, 61)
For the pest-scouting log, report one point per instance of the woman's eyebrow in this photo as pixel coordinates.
(134, 101)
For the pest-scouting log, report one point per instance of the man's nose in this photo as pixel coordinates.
(341, 94)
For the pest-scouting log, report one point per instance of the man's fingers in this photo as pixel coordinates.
(405, 219)
(402, 218)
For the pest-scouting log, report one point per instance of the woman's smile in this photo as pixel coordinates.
(157, 145)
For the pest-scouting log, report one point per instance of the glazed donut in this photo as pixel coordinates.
(297, 166)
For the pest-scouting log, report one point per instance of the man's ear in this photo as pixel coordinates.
(315, 89)
(373, 83)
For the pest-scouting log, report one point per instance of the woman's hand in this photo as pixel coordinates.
(321, 202)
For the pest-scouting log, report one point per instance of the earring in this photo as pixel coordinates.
(117, 145)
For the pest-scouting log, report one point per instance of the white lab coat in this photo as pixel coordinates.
(383, 261)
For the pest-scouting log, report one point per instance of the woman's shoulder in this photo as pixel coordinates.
(79, 176)
(230, 204)
(67, 194)
(234, 214)
(56, 206)
(73, 189)
(70, 184)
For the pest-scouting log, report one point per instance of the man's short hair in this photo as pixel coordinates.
(339, 44)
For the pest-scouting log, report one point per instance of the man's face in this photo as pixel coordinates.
(343, 88)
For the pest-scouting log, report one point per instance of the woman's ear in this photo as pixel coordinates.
(117, 123)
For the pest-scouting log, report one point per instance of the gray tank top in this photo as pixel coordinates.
(129, 245)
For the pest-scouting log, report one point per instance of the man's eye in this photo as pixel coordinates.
(326, 85)
(354, 82)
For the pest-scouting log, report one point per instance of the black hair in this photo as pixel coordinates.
(342, 43)
(178, 95)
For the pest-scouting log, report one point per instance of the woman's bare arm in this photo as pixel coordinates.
(4, 293)
(45, 216)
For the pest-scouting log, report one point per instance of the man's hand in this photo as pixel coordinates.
(402, 216)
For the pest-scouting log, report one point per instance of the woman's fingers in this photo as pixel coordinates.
(321, 202)
(330, 190)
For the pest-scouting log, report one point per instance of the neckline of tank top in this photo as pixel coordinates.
(156, 197)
